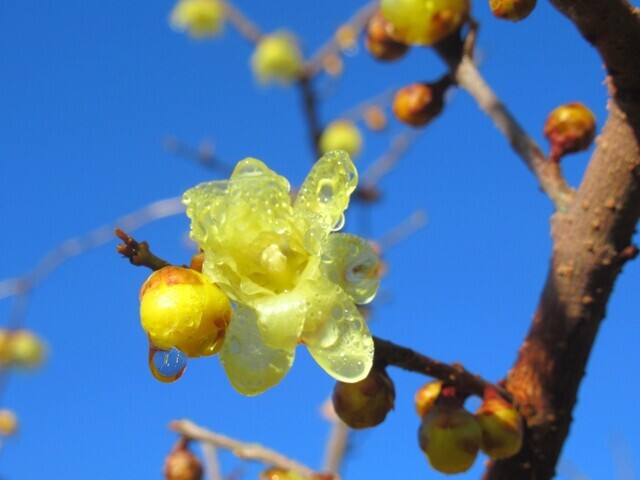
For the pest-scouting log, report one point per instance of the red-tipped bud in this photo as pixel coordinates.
(513, 10)
(181, 464)
(365, 403)
(426, 397)
(450, 437)
(419, 103)
(379, 41)
(501, 426)
(569, 128)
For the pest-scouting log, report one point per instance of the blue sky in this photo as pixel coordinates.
(89, 92)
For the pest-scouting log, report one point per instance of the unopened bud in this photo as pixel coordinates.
(569, 128)
(426, 397)
(182, 464)
(501, 426)
(375, 118)
(419, 103)
(380, 43)
(450, 437)
(365, 403)
(180, 308)
(513, 10)
(341, 135)
(8, 422)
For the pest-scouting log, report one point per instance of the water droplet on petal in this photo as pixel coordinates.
(166, 365)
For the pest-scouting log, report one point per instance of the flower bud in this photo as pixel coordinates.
(450, 437)
(417, 22)
(276, 473)
(365, 403)
(8, 422)
(201, 18)
(22, 349)
(426, 397)
(180, 308)
(380, 43)
(341, 135)
(277, 59)
(419, 103)
(182, 464)
(375, 118)
(346, 37)
(514, 10)
(569, 128)
(501, 426)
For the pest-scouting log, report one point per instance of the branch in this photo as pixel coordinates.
(78, 245)
(310, 108)
(357, 23)
(247, 451)
(548, 173)
(138, 253)
(454, 374)
(241, 23)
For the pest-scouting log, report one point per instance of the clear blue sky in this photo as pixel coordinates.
(89, 91)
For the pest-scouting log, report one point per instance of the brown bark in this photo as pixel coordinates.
(592, 241)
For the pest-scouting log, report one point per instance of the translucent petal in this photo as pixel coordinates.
(349, 261)
(336, 334)
(327, 188)
(251, 366)
(281, 318)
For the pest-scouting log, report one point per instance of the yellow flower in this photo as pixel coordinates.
(201, 18)
(292, 279)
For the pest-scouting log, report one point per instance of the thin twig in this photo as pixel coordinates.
(400, 145)
(211, 461)
(336, 447)
(138, 253)
(400, 232)
(78, 245)
(241, 23)
(357, 22)
(454, 374)
(310, 108)
(552, 182)
(247, 451)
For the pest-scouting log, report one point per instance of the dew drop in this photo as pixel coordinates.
(166, 365)
(325, 192)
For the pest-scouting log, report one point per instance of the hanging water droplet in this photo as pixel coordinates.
(166, 365)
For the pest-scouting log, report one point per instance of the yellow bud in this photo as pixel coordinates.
(180, 308)
(514, 10)
(332, 64)
(201, 18)
(277, 59)
(341, 135)
(569, 128)
(346, 37)
(420, 22)
(501, 426)
(450, 437)
(426, 397)
(8, 422)
(365, 403)
(24, 349)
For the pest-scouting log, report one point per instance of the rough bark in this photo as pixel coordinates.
(592, 241)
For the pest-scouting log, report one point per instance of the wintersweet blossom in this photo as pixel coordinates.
(291, 278)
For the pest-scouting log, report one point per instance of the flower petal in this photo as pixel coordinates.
(349, 261)
(281, 318)
(337, 335)
(251, 366)
(327, 188)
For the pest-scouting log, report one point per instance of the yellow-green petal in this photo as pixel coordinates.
(251, 366)
(337, 335)
(281, 319)
(349, 261)
(327, 188)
